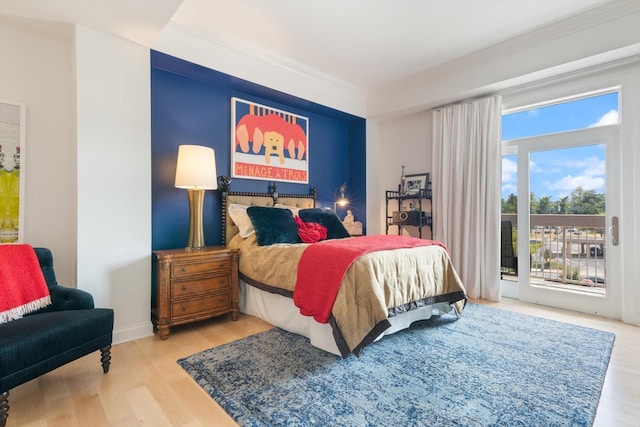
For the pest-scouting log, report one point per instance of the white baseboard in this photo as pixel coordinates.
(132, 333)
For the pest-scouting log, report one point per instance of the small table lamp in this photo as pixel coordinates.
(342, 201)
(196, 172)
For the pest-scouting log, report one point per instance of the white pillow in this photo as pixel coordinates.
(238, 214)
(293, 209)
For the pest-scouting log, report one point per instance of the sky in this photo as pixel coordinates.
(556, 173)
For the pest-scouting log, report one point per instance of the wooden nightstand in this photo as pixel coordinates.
(193, 285)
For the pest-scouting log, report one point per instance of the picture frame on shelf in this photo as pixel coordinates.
(415, 183)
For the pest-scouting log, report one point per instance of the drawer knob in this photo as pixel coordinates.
(183, 269)
(184, 288)
(183, 308)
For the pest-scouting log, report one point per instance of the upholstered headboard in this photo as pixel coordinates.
(271, 198)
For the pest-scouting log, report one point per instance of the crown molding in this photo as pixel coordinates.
(545, 35)
(273, 60)
(265, 70)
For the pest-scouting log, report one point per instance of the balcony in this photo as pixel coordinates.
(567, 251)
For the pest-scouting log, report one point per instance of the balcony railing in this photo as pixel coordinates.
(566, 250)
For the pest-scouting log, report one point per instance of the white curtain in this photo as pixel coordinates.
(466, 191)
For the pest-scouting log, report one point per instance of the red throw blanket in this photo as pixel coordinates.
(23, 288)
(323, 265)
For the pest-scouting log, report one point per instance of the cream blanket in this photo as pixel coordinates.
(376, 286)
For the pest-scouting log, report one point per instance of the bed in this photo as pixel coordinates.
(381, 292)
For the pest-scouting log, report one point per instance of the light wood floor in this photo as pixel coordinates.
(146, 387)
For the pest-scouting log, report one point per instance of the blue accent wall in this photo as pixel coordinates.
(191, 104)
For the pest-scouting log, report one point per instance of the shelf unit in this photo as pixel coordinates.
(402, 217)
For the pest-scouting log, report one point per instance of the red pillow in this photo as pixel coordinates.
(310, 232)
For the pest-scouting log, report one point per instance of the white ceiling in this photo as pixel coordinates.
(368, 43)
(364, 43)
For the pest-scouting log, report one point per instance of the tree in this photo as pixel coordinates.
(510, 206)
(544, 205)
(533, 203)
(580, 201)
(587, 202)
(564, 205)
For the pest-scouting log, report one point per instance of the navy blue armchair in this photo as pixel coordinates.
(69, 328)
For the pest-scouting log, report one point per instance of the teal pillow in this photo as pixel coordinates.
(273, 225)
(327, 218)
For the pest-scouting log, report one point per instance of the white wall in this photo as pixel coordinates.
(630, 193)
(36, 68)
(598, 37)
(88, 173)
(114, 178)
(402, 141)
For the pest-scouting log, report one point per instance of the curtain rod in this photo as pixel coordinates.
(465, 101)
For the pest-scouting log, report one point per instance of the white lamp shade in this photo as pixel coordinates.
(196, 168)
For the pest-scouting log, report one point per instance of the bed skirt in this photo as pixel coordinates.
(280, 311)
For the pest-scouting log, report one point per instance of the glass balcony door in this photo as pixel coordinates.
(567, 194)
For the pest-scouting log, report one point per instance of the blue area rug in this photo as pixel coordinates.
(489, 368)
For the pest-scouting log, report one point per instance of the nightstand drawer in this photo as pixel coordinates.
(184, 270)
(191, 287)
(204, 305)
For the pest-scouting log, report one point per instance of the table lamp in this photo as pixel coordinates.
(342, 201)
(196, 172)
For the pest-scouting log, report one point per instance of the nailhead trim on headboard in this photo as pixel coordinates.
(273, 194)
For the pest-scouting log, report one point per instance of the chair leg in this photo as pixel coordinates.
(105, 358)
(4, 408)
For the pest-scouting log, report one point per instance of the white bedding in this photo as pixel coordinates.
(280, 311)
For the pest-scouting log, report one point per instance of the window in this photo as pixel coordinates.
(556, 173)
(576, 114)
(554, 159)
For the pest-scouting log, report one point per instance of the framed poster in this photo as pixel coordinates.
(268, 143)
(12, 139)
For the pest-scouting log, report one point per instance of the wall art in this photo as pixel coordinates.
(268, 143)
(12, 139)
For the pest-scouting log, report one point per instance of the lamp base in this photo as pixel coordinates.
(196, 231)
